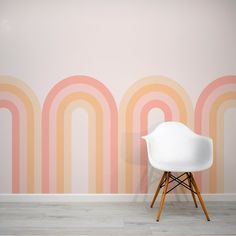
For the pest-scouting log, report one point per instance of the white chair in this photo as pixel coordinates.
(173, 147)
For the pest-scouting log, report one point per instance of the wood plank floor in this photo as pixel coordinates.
(178, 218)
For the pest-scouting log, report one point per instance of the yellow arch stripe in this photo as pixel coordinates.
(91, 145)
(60, 139)
(216, 129)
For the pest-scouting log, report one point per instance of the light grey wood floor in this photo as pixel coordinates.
(178, 218)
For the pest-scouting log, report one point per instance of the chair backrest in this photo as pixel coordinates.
(173, 143)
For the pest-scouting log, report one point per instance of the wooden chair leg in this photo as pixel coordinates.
(199, 197)
(191, 187)
(158, 189)
(163, 195)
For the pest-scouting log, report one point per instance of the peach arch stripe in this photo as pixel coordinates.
(113, 128)
(15, 143)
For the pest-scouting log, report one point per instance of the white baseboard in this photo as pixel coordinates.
(107, 197)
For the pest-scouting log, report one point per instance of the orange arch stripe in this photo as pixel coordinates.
(144, 130)
(129, 119)
(30, 132)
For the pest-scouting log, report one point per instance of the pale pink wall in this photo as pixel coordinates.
(117, 43)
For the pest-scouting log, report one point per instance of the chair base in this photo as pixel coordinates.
(167, 178)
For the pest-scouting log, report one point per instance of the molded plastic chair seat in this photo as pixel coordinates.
(174, 147)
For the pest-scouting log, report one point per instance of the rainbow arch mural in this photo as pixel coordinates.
(24, 107)
(144, 95)
(55, 112)
(117, 158)
(215, 99)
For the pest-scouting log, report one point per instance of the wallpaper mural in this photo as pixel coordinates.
(117, 158)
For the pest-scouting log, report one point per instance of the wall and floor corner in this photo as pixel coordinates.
(82, 81)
